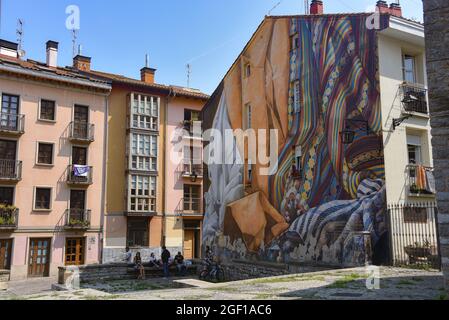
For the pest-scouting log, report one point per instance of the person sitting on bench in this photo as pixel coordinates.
(153, 263)
(180, 266)
(138, 266)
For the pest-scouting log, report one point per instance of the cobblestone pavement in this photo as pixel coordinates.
(333, 285)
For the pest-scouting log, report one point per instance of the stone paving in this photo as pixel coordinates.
(348, 284)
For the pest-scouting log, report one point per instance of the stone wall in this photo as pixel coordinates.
(243, 270)
(4, 278)
(436, 17)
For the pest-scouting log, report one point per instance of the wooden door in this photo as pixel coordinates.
(81, 121)
(189, 244)
(5, 254)
(77, 204)
(74, 251)
(39, 258)
(79, 156)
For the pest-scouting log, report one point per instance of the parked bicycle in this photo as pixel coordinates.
(212, 272)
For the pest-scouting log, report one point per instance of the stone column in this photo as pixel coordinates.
(436, 17)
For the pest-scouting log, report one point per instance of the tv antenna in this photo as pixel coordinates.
(189, 72)
(74, 38)
(275, 6)
(20, 34)
(147, 60)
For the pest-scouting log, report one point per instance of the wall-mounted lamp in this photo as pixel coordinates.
(397, 122)
(347, 136)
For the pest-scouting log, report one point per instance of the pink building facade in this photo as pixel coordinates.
(52, 165)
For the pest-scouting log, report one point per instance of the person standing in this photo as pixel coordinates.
(165, 257)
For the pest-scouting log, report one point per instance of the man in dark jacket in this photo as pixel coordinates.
(165, 257)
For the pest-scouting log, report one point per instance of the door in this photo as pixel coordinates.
(7, 196)
(74, 251)
(5, 254)
(77, 205)
(81, 122)
(189, 244)
(39, 258)
(8, 159)
(10, 110)
(79, 157)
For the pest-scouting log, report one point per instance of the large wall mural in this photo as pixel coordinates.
(311, 79)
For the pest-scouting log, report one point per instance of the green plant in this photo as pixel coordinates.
(79, 223)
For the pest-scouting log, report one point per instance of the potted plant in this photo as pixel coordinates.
(414, 188)
(7, 215)
(419, 250)
(74, 223)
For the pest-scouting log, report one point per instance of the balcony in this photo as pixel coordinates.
(421, 180)
(80, 131)
(12, 124)
(9, 217)
(10, 170)
(190, 207)
(192, 170)
(77, 219)
(414, 99)
(79, 175)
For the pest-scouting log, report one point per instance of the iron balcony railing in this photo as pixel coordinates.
(191, 206)
(82, 131)
(80, 175)
(10, 170)
(420, 179)
(12, 123)
(77, 219)
(192, 168)
(414, 98)
(9, 218)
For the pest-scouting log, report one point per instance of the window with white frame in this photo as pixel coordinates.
(414, 149)
(142, 193)
(143, 152)
(409, 69)
(144, 112)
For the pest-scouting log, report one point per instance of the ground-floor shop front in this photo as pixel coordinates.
(34, 255)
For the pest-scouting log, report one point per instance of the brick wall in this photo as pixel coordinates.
(436, 15)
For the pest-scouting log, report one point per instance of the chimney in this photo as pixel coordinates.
(82, 63)
(396, 10)
(382, 7)
(52, 54)
(147, 75)
(8, 48)
(316, 7)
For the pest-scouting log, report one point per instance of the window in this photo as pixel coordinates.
(45, 153)
(295, 42)
(143, 152)
(47, 110)
(415, 215)
(138, 235)
(409, 69)
(142, 193)
(145, 112)
(192, 198)
(414, 149)
(191, 117)
(9, 112)
(247, 70)
(42, 199)
(7, 196)
(248, 113)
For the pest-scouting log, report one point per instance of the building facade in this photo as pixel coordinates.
(148, 203)
(52, 165)
(346, 97)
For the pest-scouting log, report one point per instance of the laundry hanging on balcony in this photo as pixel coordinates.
(425, 180)
(81, 171)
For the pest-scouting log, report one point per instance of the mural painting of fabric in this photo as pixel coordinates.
(311, 77)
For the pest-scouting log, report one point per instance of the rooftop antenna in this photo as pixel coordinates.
(74, 38)
(147, 60)
(306, 7)
(189, 72)
(20, 34)
(275, 6)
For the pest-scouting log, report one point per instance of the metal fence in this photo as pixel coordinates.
(414, 235)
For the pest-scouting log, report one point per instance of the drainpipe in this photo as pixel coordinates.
(104, 182)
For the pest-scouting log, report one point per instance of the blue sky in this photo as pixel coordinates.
(209, 34)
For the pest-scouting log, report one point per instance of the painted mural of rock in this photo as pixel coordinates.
(254, 220)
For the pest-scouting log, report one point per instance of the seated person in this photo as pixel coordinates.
(128, 256)
(138, 266)
(180, 266)
(153, 261)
